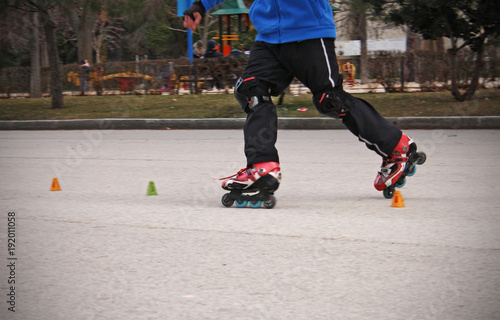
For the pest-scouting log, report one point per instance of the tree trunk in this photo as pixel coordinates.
(98, 49)
(35, 79)
(44, 52)
(478, 67)
(84, 36)
(55, 68)
(83, 27)
(204, 33)
(411, 45)
(363, 37)
(452, 59)
(492, 55)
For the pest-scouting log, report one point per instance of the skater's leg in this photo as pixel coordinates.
(379, 134)
(263, 76)
(260, 133)
(260, 128)
(320, 73)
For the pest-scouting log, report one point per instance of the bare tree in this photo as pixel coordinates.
(54, 61)
(35, 78)
(107, 31)
(467, 25)
(203, 31)
(411, 47)
(82, 15)
(357, 24)
(20, 30)
(45, 10)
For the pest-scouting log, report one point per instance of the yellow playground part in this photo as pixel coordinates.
(126, 80)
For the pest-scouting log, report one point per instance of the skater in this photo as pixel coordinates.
(297, 39)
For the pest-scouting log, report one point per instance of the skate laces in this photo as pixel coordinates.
(247, 170)
(252, 171)
(388, 163)
(393, 158)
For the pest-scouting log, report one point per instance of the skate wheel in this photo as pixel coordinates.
(388, 193)
(255, 203)
(421, 157)
(400, 183)
(241, 203)
(412, 171)
(269, 204)
(226, 200)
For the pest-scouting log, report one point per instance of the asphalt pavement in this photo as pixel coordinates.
(332, 248)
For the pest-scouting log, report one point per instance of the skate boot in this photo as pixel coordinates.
(253, 185)
(398, 165)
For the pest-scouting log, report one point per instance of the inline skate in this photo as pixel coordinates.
(254, 186)
(397, 166)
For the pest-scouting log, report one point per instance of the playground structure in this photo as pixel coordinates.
(193, 77)
(349, 71)
(231, 8)
(126, 81)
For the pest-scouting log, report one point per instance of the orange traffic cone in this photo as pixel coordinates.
(55, 185)
(397, 200)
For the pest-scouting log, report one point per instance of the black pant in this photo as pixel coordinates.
(314, 63)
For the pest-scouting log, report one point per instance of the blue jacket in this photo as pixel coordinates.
(281, 21)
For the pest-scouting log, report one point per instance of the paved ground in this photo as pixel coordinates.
(332, 248)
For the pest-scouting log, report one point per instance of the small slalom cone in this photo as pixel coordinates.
(55, 185)
(397, 200)
(151, 189)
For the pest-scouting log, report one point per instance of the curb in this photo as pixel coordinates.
(314, 123)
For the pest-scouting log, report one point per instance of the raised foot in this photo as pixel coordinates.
(417, 158)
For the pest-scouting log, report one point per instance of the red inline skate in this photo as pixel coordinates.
(253, 185)
(401, 163)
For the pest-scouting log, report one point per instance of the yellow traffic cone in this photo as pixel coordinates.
(55, 185)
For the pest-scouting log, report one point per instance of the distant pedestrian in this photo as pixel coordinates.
(97, 78)
(198, 49)
(211, 50)
(84, 76)
(213, 53)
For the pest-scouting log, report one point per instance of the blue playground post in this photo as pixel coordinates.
(182, 5)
